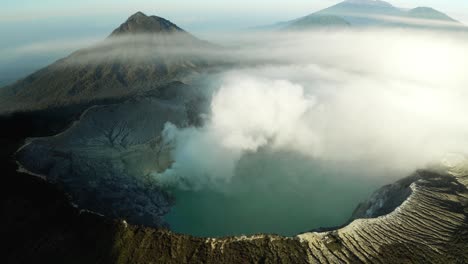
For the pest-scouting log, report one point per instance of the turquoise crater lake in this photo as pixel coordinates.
(277, 193)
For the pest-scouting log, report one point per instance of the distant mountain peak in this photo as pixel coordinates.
(378, 3)
(429, 13)
(315, 21)
(139, 23)
(138, 14)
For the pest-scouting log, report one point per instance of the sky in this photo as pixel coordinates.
(194, 15)
(25, 21)
(66, 25)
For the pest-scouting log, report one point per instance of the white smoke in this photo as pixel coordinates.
(401, 106)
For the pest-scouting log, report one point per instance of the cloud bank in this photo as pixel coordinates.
(387, 99)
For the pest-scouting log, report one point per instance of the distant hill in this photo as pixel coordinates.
(429, 13)
(370, 13)
(145, 52)
(362, 12)
(318, 21)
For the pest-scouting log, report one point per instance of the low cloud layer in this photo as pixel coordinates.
(387, 99)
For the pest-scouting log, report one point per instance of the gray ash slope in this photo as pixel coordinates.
(105, 159)
(129, 87)
(136, 57)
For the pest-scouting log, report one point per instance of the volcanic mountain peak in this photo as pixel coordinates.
(111, 69)
(369, 2)
(139, 23)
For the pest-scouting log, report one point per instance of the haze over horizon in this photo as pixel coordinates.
(29, 21)
(42, 32)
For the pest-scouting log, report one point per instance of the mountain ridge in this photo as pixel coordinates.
(371, 13)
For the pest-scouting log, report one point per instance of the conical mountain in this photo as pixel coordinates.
(142, 54)
(140, 23)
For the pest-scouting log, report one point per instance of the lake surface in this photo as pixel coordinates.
(277, 193)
